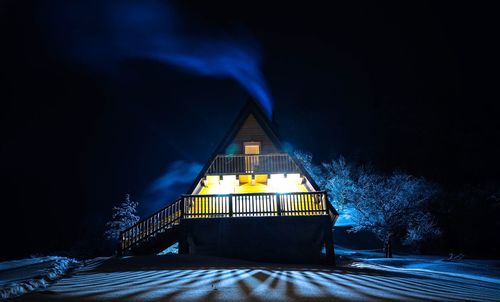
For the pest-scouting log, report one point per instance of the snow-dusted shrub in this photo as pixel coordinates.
(123, 217)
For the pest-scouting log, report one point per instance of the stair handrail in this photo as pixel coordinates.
(136, 237)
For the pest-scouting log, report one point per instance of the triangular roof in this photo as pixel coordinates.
(251, 109)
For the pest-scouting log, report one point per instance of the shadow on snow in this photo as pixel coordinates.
(187, 278)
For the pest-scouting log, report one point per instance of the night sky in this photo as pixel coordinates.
(401, 86)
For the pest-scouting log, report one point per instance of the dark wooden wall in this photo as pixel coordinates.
(275, 239)
(252, 131)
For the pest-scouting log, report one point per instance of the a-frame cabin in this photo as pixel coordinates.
(252, 200)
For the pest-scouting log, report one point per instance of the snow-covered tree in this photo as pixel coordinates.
(306, 159)
(338, 181)
(335, 177)
(124, 216)
(393, 208)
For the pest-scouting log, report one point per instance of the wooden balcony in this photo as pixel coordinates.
(227, 206)
(256, 204)
(252, 164)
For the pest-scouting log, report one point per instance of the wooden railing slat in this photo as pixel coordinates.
(244, 164)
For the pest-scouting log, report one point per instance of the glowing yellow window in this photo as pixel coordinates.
(252, 150)
(252, 147)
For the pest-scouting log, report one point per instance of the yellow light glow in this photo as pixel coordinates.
(227, 185)
(282, 184)
(252, 148)
(261, 178)
(294, 178)
(244, 179)
(212, 180)
(278, 176)
(276, 183)
(229, 178)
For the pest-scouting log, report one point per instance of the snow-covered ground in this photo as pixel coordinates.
(188, 278)
(486, 270)
(18, 277)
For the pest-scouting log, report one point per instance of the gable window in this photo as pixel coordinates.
(251, 162)
(252, 148)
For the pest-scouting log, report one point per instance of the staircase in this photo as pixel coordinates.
(153, 234)
(162, 229)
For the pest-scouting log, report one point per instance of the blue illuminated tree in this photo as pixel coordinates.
(124, 216)
(306, 159)
(339, 182)
(393, 207)
(335, 177)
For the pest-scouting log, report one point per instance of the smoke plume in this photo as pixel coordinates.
(98, 34)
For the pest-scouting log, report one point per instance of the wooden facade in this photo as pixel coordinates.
(250, 194)
(251, 131)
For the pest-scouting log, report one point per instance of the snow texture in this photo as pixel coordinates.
(173, 249)
(19, 277)
(485, 270)
(196, 278)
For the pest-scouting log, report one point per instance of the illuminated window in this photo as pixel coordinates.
(252, 147)
(252, 150)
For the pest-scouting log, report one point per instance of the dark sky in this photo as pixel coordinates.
(402, 86)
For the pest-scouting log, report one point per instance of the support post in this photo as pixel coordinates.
(119, 250)
(230, 205)
(183, 243)
(182, 233)
(182, 206)
(278, 203)
(121, 245)
(329, 249)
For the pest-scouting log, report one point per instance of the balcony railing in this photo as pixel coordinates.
(248, 164)
(231, 205)
(255, 205)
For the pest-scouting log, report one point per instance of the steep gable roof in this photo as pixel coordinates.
(251, 119)
(251, 131)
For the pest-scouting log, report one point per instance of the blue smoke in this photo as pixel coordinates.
(178, 176)
(99, 33)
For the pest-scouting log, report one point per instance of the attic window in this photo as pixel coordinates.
(252, 147)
